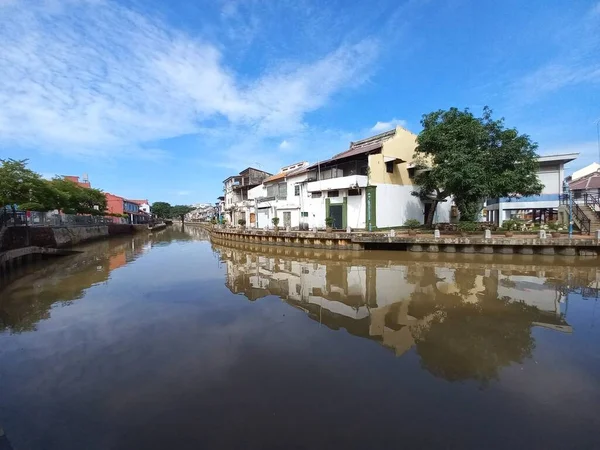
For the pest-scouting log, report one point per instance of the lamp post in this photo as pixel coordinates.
(567, 192)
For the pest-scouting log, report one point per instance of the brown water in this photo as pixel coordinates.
(170, 342)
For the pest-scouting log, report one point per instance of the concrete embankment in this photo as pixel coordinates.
(524, 245)
(18, 245)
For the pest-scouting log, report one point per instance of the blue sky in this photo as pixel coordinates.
(164, 100)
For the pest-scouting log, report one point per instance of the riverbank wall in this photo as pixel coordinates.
(62, 237)
(22, 245)
(472, 244)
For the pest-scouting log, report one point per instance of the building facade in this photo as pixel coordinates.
(539, 208)
(237, 205)
(281, 195)
(368, 186)
(119, 205)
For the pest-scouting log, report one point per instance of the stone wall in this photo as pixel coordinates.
(59, 237)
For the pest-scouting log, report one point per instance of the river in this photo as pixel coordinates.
(169, 341)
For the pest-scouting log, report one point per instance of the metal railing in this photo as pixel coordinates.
(47, 219)
(579, 216)
(592, 202)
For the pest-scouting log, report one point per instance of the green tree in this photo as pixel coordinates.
(18, 184)
(180, 211)
(74, 199)
(473, 158)
(161, 210)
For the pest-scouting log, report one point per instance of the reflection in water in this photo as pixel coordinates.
(465, 320)
(28, 300)
(138, 342)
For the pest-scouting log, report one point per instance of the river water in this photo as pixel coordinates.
(169, 341)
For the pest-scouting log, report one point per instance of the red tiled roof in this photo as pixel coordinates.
(591, 181)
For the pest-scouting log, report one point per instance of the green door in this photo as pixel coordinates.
(336, 212)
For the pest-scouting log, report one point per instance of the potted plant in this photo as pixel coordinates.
(329, 224)
(555, 229)
(412, 225)
(242, 223)
(275, 221)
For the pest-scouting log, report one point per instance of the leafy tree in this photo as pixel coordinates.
(472, 158)
(161, 210)
(74, 199)
(18, 184)
(180, 211)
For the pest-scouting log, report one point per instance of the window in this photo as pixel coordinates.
(411, 172)
(316, 195)
(283, 190)
(297, 190)
(389, 167)
(333, 194)
(304, 214)
(353, 192)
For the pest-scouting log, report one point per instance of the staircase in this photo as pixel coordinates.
(593, 215)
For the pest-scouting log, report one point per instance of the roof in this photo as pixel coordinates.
(591, 181)
(252, 168)
(361, 147)
(139, 202)
(284, 174)
(559, 157)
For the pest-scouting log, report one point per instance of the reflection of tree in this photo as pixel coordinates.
(463, 341)
(466, 336)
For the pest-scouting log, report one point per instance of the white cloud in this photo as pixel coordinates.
(183, 193)
(91, 77)
(380, 127)
(284, 145)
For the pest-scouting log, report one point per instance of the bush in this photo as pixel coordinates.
(329, 221)
(242, 222)
(513, 225)
(275, 221)
(468, 227)
(412, 224)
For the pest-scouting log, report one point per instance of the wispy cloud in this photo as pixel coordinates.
(284, 145)
(183, 193)
(91, 77)
(576, 63)
(385, 126)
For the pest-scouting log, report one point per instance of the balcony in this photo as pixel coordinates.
(348, 182)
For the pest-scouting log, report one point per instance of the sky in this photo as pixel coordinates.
(164, 100)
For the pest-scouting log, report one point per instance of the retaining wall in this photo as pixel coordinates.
(563, 246)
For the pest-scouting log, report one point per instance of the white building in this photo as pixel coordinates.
(538, 208)
(369, 186)
(281, 195)
(237, 206)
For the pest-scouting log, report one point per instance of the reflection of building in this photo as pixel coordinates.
(390, 302)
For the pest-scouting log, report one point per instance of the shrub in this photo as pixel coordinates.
(275, 221)
(412, 223)
(468, 227)
(329, 221)
(242, 222)
(513, 225)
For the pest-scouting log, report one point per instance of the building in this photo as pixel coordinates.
(369, 185)
(84, 182)
(119, 205)
(237, 205)
(143, 204)
(539, 208)
(281, 195)
(203, 213)
(585, 190)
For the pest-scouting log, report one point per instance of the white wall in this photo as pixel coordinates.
(356, 210)
(551, 181)
(395, 205)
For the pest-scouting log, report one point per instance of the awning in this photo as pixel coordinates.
(392, 158)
